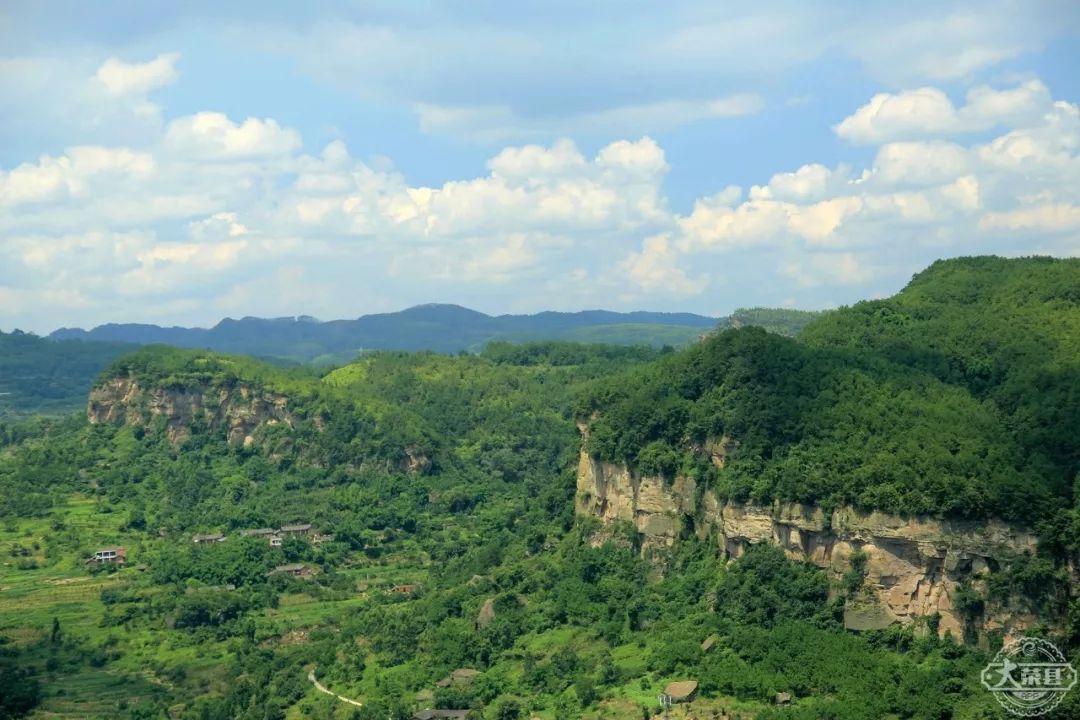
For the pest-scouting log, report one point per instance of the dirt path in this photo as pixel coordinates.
(322, 688)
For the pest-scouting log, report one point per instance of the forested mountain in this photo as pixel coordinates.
(1007, 331)
(438, 328)
(440, 495)
(959, 395)
(813, 426)
(41, 376)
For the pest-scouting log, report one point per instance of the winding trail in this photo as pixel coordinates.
(322, 688)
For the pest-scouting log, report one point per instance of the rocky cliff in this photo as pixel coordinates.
(241, 410)
(914, 566)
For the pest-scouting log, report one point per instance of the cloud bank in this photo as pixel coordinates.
(218, 214)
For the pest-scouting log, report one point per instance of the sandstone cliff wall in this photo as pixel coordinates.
(240, 410)
(914, 565)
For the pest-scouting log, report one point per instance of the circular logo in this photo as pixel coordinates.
(1029, 677)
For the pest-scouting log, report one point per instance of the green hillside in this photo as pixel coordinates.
(636, 334)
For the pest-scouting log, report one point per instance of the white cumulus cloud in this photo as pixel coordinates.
(124, 78)
(203, 220)
(214, 135)
(928, 112)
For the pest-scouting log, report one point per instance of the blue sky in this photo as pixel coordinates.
(178, 163)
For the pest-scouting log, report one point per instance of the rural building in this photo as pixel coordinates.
(406, 589)
(437, 714)
(270, 535)
(294, 569)
(682, 691)
(461, 676)
(318, 539)
(299, 529)
(783, 698)
(207, 539)
(110, 555)
(709, 643)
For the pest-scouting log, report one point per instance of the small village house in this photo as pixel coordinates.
(682, 691)
(441, 714)
(298, 529)
(270, 535)
(116, 555)
(294, 569)
(207, 539)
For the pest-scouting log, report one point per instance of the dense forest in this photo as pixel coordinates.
(440, 494)
(1007, 331)
(813, 426)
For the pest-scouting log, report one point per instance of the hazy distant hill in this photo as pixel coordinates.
(441, 328)
(39, 375)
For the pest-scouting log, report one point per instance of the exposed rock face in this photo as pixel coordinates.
(914, 565)
(240, 410)
(486, 614)
(415, 461)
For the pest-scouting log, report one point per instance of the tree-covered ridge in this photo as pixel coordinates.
(471, 423)
(165, 366)
(1006, 330)
(44, 376)
(820, 426)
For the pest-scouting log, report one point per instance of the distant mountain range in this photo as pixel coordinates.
(52, 375)
(440, 328)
